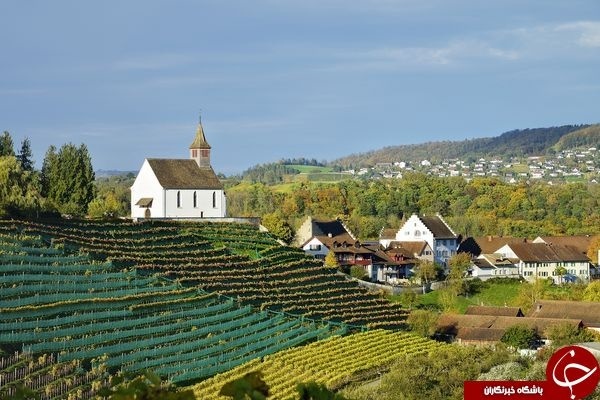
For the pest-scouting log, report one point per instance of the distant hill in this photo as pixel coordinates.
(586, 137)
(103, 173)
(521, 142)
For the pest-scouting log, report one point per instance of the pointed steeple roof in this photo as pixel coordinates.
(200, 140)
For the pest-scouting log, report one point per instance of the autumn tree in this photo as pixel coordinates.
(330, 260)
(425, 270)
(593, 249)
(520, 337)
(592, 291)
(423, 322)
(18, 192)
(560, 271)
(458, 269)
(564, 334)
(531, 292)
(276, 224)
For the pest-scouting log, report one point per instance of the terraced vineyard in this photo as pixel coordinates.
(232, 259)
(49, 378)
(79, 309)
(332, 362)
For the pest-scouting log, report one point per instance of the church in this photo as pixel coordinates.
(179, 188)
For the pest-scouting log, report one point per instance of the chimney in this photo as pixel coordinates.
(329, 234)
(489, 238)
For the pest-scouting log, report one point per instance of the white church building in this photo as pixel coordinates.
(179, 188)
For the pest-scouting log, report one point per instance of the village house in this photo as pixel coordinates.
(487, 266)
(489, 329)
(432, 230)
(542, 260)
(319, 237)
(179, 188)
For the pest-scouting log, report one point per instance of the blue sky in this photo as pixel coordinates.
(290, 78)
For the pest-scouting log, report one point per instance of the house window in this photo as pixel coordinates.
(195, 200)
(214, 199)
(178, 199)
(315, 247)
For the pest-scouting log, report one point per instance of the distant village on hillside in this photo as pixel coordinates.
(576, 165)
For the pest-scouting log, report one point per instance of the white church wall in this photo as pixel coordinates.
(146, 185)
(205, 208)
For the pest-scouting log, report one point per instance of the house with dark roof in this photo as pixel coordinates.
(179, 188)
(488, 329)
(542, 260)
(486, 244)
(434, 231)
(586, 311)
(494, 310)
(319, 237)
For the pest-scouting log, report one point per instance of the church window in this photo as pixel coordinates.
(195, 200)
(214, 199)
(178, 199)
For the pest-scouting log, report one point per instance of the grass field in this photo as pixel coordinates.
(489, 294)
(310, 169)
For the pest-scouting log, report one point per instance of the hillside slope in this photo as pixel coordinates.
(52, 302)
(235, 260)
(522, 142)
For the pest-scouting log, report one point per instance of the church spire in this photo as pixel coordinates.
(200, 140)
(200, 149)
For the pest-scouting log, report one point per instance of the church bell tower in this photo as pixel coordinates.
(200, 149)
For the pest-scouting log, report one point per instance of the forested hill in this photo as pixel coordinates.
(521, 142)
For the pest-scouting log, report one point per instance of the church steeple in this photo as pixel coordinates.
(200, 149)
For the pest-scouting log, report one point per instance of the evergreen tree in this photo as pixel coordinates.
(25, 156)
(49, 167)
(6, 145)
(68, 178)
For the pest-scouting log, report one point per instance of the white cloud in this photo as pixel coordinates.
(455, 53)
(587, 33)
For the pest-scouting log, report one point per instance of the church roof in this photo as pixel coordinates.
(200, 140)
(183, 174)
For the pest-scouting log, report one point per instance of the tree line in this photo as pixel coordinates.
(65, 183)
(482, 206)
